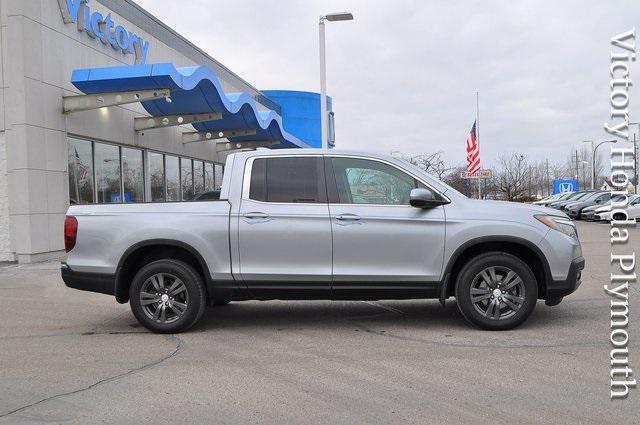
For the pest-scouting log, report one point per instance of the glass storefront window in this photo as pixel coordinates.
(133, 175)
(80, 161)
(208, 176)
(172, 170)
(186, 179)
(107, 166)
(156, 176)
(218, 176)
(104, 173)
(198, 177)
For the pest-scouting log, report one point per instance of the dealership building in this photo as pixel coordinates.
(101, 102)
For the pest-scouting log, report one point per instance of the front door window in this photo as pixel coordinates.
(362, 181)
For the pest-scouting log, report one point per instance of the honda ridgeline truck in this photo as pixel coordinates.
(323, 225)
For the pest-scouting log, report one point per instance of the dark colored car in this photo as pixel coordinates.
(598, 198)
(589, 213)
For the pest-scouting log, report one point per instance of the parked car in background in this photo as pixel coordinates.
(552, 198)
(314, 224)
(589, 213)
(575, 196)
(574, 209)
(633, 210)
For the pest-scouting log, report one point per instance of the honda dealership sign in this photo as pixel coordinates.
(566, 185)
(103, 28)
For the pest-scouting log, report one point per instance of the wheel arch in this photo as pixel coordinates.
(525, 250)
(151, 250)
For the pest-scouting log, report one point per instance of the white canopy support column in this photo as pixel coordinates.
(147, 123)
(86, 102)
(232, 146)
(203, 136)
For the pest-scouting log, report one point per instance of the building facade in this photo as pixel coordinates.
(49, 158)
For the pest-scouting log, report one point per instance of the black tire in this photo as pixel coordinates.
(192, 295)
(473, 276)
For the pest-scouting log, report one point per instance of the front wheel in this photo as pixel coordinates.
(496, 291)
(167, 296)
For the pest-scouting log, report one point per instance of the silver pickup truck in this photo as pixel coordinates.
(312, 224)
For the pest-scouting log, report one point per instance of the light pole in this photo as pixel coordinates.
(331, 17)
(594, 148)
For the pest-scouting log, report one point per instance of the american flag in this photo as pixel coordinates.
(473, 151)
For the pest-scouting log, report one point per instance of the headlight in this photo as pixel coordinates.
(560, 224)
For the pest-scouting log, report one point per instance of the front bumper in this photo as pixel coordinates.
(92, 282)
(589, 215)
(573, 213)
(561, 288)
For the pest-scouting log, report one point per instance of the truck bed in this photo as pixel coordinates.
(203, 225)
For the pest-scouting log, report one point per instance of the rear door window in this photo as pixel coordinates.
(288, 180)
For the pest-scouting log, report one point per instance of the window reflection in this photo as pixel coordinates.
(218, 176)
(198, 177)
(80, 161)
(104, 173)
(107, 165)
(208, 176)
(186, 178)
(156, 176)
(133, 175)
(172, 171)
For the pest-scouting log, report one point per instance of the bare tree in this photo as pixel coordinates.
(513, 176)
(432, 163)
(453, 178)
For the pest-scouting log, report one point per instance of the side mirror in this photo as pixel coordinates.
(424, 198)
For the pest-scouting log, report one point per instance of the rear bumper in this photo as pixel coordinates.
(92, 282)
(562, 288)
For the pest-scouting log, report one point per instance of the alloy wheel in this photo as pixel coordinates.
(497, 292)
(164, 298)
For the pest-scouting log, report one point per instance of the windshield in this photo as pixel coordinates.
(566, 195)
(578, 195)
(591, 196)
(575, 196)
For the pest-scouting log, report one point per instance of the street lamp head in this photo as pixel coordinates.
(342, 16)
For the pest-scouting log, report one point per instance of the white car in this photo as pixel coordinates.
(633, 210)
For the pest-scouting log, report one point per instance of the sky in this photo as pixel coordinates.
(403, 75)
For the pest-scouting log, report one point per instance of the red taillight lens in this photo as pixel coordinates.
(70, 232)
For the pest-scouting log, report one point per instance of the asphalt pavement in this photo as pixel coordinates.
(68, 356)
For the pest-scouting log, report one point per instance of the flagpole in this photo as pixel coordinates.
(478, 139)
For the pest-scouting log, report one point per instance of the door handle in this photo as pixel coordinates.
(256, 215)
(348, 217)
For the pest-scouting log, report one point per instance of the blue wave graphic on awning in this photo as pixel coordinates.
(194, 89)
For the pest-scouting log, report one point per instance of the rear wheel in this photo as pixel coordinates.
(167, 296)
(496, 291)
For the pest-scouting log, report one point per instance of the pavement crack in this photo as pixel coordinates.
(179, 344)
(470, 344)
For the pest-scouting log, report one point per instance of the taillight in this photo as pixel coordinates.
(70, 232)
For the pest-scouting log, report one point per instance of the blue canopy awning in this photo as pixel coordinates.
(194, 90)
